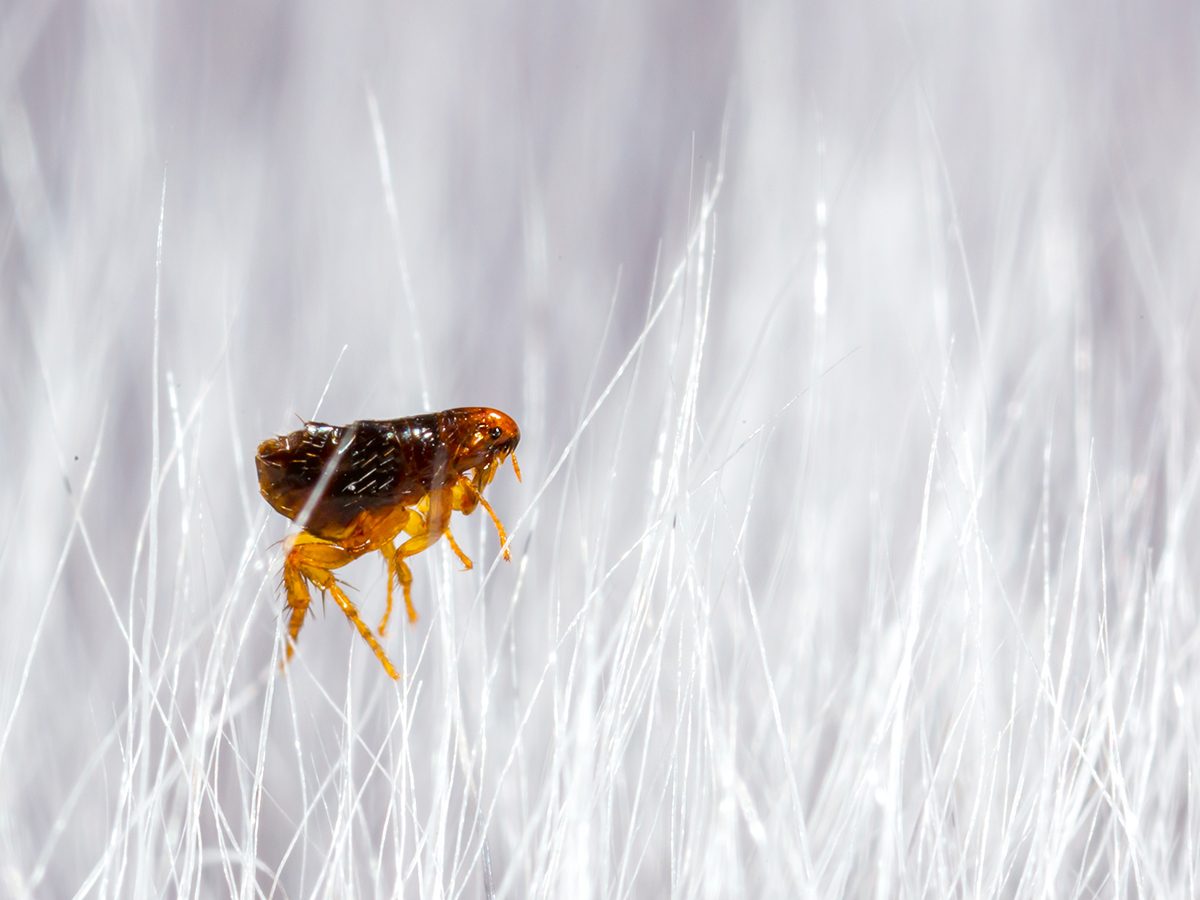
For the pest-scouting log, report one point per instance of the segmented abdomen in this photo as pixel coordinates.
(362, 466)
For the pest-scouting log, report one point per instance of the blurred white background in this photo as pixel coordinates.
(852, 350)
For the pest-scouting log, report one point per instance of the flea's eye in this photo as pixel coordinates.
(495, 433)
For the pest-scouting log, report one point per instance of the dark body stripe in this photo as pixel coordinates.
(376, 463)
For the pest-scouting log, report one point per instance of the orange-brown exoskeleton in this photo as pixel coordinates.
(353, 489)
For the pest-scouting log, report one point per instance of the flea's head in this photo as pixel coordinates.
(483, 437)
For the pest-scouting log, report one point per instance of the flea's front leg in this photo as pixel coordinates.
(466, 496)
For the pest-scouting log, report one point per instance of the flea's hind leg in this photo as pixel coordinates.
(298, 599)
(351, 612)
(307, 559)
(312, 559)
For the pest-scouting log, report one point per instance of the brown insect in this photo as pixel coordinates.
(353, 489)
